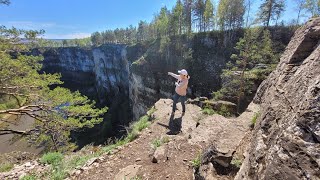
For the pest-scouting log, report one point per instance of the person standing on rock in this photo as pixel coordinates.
(181, 89)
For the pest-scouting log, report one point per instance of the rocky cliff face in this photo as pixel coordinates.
(286, 143)
(204, 56)
(101, 73)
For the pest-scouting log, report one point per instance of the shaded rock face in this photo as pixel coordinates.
(286, 143)
(204, 56)
(100, 73)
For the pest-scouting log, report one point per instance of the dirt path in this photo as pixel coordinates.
(186, 140)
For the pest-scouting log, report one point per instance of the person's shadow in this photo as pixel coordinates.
(174, 125)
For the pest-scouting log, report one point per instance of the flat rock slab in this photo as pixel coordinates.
(128, 172)
(224, 133)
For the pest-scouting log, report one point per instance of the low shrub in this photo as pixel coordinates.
(5, 167)
(52, 158)
(196, 162)
(208, 111)
(254, 119)
(236, 162)
(29, 177)
(156, 143)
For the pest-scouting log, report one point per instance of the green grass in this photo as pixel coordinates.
(29, 177)
(208, 111)
(236, 162)
(156, 143)
(52, 158)
(78, 161)
(224, 111)
(196, 162)
(58, 172)
(60, 166)
(151, 111)
(136, 178)
(254, 119)
(6, 167)
(141, 124)
(165, 139)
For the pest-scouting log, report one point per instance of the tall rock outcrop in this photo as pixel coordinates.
(286, 139)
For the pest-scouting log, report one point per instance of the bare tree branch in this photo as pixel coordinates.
(11, 131)
(24, 109)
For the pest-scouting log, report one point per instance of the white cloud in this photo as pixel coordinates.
(37, 25)
(30, 25)
(67, 36)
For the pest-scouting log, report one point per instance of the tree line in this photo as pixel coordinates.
(188, 16)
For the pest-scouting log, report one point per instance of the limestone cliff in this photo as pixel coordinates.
(285, 143)
(102, 73)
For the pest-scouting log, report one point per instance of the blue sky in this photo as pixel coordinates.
(65, 19)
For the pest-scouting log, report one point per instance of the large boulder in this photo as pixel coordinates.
(286, 143)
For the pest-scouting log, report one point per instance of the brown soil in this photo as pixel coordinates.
(187, 139)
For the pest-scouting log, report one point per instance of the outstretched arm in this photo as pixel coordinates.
(174, 75)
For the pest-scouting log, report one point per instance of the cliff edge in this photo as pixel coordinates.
(286, 143)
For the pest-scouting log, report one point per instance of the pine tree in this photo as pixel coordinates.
(270, 10)
(199, 8)
(142, 31)
(162, 22)
(248, 8)
(176, 19)
(300, 6)
(278, 10)
(313, 7)
(56, 112)
(230, 14)
(254, 49)
(97, 39)
(208, 16)
(187, 15)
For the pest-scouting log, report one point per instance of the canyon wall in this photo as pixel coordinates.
(130, 79)
(100, 73)
(204, 55)
(286, 138)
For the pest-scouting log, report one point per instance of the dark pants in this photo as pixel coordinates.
(176, 97)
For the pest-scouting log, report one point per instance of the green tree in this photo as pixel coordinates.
(56, 111)
(199, 8)
(142, 33)
(270, 10)
(208, 16)
(162, 22)
(278, 10)
(267, 53)
(313, 7)
(187, 15)
(230, 14)
(97, 39)
(300, 6)
(253, 50)
(176, 19)
(248, 8)
(65, 43)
